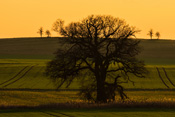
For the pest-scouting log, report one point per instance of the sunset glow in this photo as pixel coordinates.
(23, 18)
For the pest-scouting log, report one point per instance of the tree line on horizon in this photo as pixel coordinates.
(41, 31)
(48, 33)
(150, 33)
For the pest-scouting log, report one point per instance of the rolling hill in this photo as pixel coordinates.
(23, 61)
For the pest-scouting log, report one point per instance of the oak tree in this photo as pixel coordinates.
(100, 53)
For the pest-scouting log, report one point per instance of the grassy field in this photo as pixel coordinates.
(65, 103)
(23, 61)
(127, 112)
(29, 74)
(28, 48)
(156, 52)
(34, 98)
(22, 82)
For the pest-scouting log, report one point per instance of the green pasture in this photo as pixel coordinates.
(29, 74)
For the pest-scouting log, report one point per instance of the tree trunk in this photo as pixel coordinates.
(101, 95)
(100, 78)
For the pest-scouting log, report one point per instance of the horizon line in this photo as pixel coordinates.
(63, 37)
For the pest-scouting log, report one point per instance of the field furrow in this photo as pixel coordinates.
(14, 76)
(162, 78)
(19, 77)
(168, 77)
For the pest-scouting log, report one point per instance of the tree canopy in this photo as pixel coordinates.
(99, 52)
(157, 35)
(48, 33)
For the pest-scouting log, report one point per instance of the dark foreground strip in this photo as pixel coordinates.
(19, 77)
(161, 78)
(14, 76)
(167, 76)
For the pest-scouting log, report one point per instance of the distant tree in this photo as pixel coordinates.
(100, 53)
(150, 33)
(157, 35)
(40, 31)
(48, 33)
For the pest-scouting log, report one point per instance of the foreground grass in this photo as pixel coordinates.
(68, 104)
(113, 112)
(70, 99)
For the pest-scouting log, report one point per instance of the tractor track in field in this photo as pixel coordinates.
(161, 78)
(32, 78)
(15, 75)
(167, 76)
(50, 114)
(56, 115)
(19, 77)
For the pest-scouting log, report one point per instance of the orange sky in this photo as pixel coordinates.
(23, 18)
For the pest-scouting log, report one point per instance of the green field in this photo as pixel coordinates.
(23, 61)
(29, 74)
(67, 103)
(127, 112)
(22, 82)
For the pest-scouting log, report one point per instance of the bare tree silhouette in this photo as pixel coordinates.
(40, 31)
(98, 52)
(150, 33)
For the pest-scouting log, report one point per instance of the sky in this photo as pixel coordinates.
(23, 18)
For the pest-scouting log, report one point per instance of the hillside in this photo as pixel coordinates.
(158, 52)
(153, 51)
(28, 48)
(23, 62)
